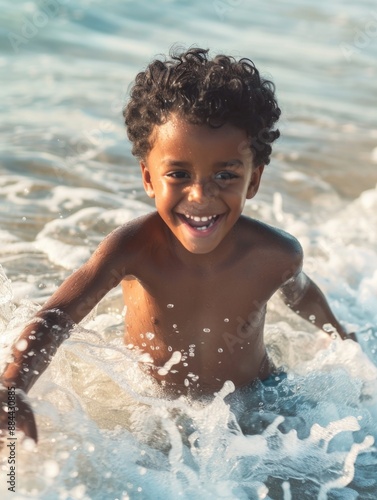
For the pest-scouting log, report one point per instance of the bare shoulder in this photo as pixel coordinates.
(278, 247)
(126, 245)
(132, 231)
(264, 234)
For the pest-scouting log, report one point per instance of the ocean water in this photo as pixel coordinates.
(68, 178)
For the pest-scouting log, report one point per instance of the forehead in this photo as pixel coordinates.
(179, 136)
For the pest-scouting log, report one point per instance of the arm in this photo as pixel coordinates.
(304, 297)
(32, 352)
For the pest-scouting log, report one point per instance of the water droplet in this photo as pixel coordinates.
(21, 345)
(170, 348)
(175, 325)
(328, 328)
(312, 317)
(220, 350)
(226, 320)
(149, 335)
(206, 330)
(170, 306)
(186, 382)
(51, 468)
(142, 471)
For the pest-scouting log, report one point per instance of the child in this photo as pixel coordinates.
(196, 274)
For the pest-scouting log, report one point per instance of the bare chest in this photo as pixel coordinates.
(214, 326)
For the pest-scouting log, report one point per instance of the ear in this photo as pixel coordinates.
(254, 182)
(147, 181)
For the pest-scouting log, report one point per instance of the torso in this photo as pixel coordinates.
(207, 319)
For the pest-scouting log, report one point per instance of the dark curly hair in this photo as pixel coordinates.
(203, 91)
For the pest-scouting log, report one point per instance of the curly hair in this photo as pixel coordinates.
(203, 91)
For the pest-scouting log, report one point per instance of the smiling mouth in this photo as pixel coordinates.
(199, 223)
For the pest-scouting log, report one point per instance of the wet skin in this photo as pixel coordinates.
(200, 178)
(212, 314)
(197, 253)
(221, 267)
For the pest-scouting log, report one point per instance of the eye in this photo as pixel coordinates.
(226, 176)
(179, 174)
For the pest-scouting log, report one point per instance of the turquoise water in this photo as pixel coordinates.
(68, 178)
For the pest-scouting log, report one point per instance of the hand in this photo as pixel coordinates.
(24, 417)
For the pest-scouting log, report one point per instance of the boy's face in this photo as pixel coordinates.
(200, 178)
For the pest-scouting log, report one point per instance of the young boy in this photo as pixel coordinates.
(196, 274)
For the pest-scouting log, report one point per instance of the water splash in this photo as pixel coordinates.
(6, 297)
(309, 434)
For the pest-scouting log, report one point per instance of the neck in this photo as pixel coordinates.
(205, 262)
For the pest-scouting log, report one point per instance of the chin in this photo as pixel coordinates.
(199, 250)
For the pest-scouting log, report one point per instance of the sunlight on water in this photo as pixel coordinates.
(68, 178)
(106, 431)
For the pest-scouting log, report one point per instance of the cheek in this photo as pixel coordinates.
(167, 191)
(238, 193)
(166, 197)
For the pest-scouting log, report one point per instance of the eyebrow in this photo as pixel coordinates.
(233, 164)
(175, 163)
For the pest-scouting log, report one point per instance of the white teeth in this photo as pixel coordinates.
(208, 221)
(200, 219)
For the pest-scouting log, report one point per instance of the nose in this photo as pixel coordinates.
(202, 192)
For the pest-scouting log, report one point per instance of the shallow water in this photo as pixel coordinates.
(106, 432)
(68, 178)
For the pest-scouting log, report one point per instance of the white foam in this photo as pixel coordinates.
(174, 360)
(94, 397)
